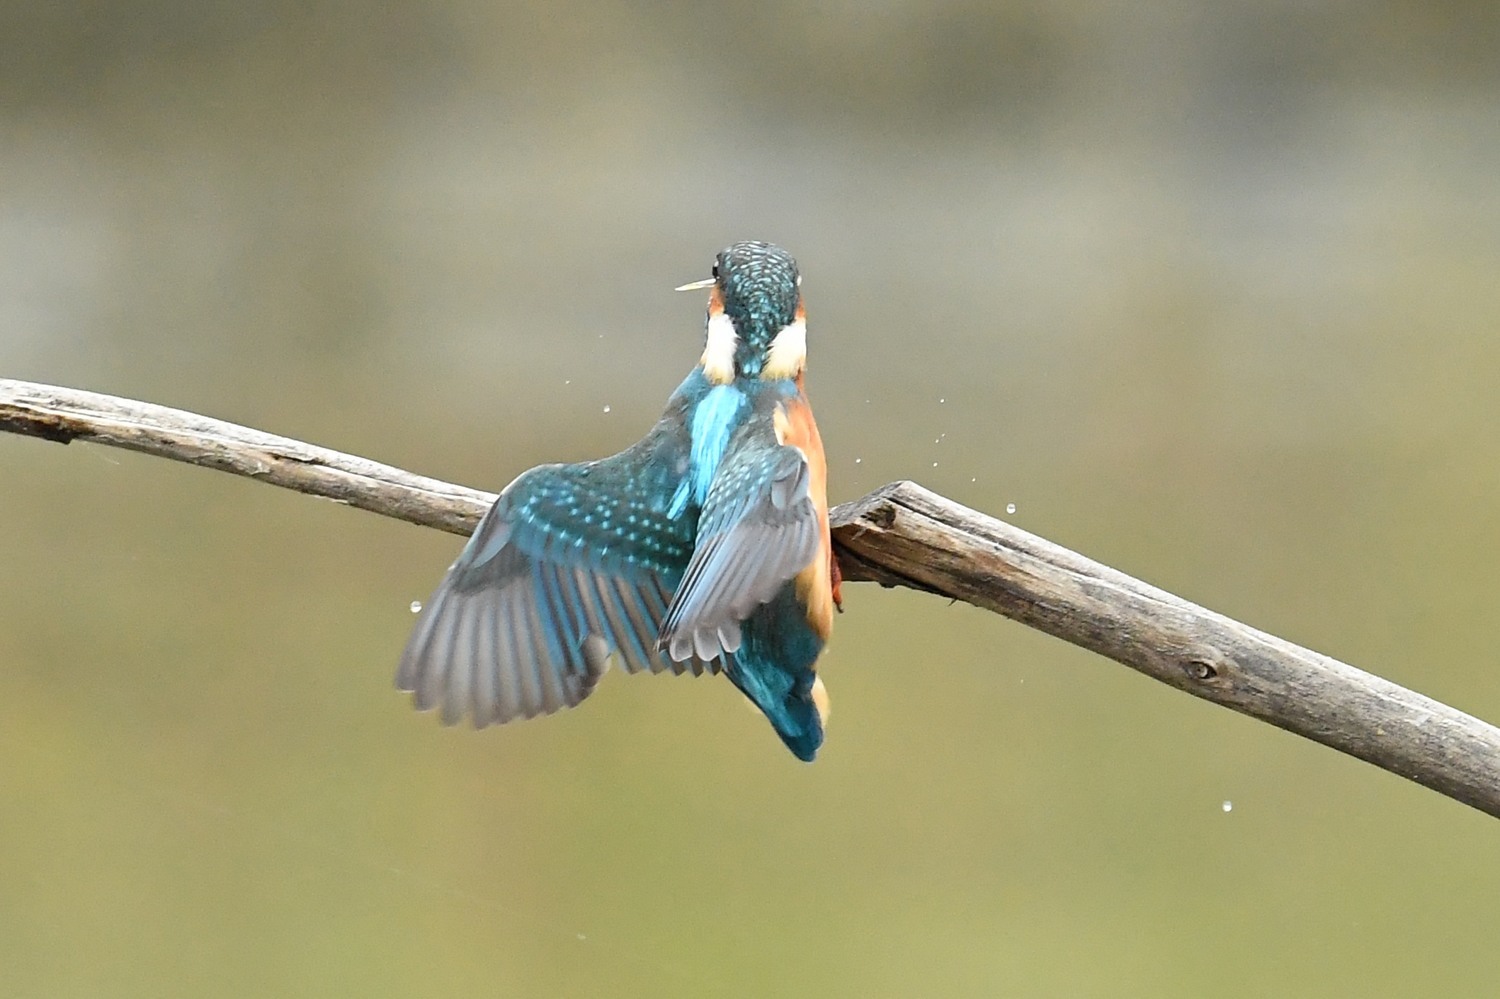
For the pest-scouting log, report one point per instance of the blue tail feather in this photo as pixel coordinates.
(786, 701)
(774, 668)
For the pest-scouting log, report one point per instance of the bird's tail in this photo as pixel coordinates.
(795, 703)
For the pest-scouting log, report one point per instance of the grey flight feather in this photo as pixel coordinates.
(759, 528)
(525, 622)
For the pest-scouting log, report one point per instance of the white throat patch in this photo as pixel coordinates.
(788, 354)
(718, 352)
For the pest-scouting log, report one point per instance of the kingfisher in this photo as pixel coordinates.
(702, 548)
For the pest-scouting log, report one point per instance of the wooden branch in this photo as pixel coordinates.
(901, 535)
(65, 415)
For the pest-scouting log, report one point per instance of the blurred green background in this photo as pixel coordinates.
(1207, 291)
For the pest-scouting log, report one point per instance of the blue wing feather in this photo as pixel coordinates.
(758, 529)
(571, 563)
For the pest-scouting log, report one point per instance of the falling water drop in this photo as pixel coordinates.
(606, 409)
(1010, 508)
(1228, 806)
(416, 606)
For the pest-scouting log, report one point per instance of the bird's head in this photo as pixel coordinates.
(757, 327)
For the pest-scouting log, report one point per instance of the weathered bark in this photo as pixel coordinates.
(901, 535)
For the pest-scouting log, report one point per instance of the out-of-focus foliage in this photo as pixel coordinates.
(1207, 291)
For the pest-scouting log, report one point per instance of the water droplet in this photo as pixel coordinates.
(606, 409)
(416, 606)
(1010, 508)
(858, 460)
(934, 464)
(567, 381)
(974, 479)
(941, 401)
(1228, 806)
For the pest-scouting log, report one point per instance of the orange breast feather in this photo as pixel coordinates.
(817, 584)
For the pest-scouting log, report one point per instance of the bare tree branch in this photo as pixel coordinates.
(64, 415)
(901, 535)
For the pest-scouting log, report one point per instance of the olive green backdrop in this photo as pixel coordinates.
(1208, 292)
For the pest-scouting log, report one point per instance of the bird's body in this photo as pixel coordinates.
(704, 547)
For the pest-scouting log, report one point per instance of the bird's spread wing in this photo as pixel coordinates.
(758, 529)
(572, 563)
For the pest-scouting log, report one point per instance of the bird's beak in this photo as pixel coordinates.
(695, 285)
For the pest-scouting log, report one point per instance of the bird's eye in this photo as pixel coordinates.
(715, 271)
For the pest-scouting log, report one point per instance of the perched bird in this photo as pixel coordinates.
(702, 548)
